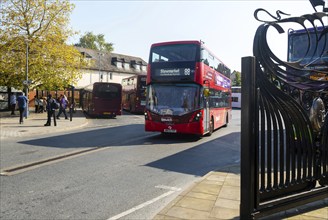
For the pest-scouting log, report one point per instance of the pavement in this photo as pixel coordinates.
(215, 196)
(34, 124)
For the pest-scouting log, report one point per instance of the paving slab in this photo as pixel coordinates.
(217, 196)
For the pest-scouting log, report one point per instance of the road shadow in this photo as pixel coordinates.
(202, 158)
(125, 112)
(205, 156)
(172, 138)
(113, 136)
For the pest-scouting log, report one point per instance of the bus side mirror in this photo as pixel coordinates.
(206, 92)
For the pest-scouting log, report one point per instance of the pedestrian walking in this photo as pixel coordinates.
(51, 110)
(63, 105)
(13, 102)
(36, 104)
(22, 104)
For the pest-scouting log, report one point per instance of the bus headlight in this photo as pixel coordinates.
(198, 116)
(147, 116)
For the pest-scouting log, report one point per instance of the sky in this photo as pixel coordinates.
(226, 27)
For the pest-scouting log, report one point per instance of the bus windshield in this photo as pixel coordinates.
(173, 99)
(106, 91)
(174, 53)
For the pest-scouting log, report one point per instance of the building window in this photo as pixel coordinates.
(110, 76)
(119, 65)
(126, 66)
(137, 67)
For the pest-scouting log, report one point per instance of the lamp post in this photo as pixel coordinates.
(100, 75)
(27, 83)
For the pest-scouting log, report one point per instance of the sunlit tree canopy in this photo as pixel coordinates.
(95, 42)
(39, 27)
(237, 79)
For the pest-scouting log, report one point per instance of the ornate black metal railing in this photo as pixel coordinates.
(284, 139)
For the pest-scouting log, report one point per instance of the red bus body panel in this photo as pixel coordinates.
(187, 128)
(178, 124)
(103, 107)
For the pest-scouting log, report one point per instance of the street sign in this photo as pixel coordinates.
(27, 82)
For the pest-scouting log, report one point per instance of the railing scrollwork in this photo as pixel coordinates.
(286, 132)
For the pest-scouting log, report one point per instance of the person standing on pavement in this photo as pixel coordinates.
(51, 110)
(44, 103)
(36, 104)
(22, 104)
(13, 102)
(63, 105)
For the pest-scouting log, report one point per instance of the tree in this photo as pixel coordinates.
(237, 79)
(39, 27)
(95, 42)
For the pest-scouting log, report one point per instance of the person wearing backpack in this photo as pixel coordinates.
(51, 107)
(22, 104)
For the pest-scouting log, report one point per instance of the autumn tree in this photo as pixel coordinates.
(41, 28)
(95, 42)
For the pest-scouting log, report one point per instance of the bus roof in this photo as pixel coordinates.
(176, 42)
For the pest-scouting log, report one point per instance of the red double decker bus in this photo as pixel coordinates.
(134, 93)
(102, 99)
(188, 89)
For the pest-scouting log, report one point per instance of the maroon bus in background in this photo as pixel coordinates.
(134, 93)
(102, 99)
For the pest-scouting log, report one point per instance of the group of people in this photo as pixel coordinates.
(40, 104)
(51, 108)
(20, 101)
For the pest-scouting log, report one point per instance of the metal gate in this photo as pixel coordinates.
(284, 125)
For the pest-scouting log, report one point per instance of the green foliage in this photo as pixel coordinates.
(95, 42)
(237, 79)
(39, 27)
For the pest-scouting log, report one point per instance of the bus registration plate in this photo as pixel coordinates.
(170, 130)
(107, 113)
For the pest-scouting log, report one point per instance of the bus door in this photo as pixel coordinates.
(206, 111)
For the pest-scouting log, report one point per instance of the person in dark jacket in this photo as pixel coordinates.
(22, 104)
(51, 111)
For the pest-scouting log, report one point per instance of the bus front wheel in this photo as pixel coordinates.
(210, 128)
(227, 121)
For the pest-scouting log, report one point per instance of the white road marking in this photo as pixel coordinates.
(173, 190)
(168, 187)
